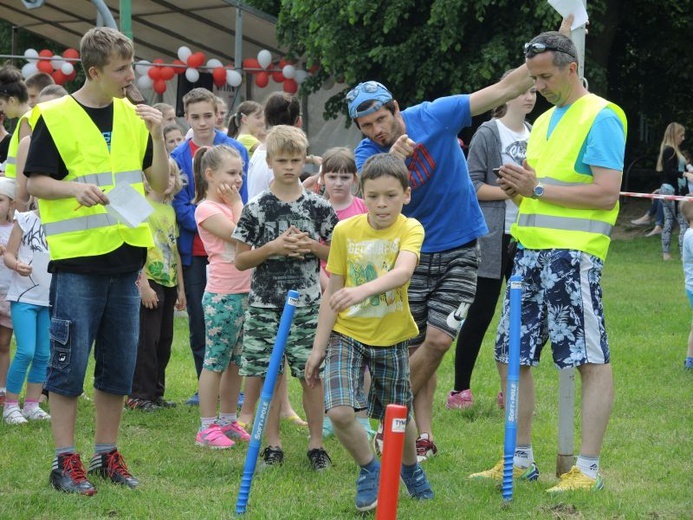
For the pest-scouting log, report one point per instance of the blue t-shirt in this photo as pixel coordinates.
(605, 144)
(443, 198)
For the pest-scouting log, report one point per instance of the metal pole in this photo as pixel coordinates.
(238, 54)
(126, 18)
(566, 381)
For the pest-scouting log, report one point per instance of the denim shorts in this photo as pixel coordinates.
(86, 309)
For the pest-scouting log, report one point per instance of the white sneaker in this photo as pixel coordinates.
(13, 415)
(36, 414)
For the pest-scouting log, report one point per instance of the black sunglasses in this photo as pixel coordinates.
(534, 48)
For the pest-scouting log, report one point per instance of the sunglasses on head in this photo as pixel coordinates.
(368, 87)
(534, 48)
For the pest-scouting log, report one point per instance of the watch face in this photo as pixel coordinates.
(538, 190)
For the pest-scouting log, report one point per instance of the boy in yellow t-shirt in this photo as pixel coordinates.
(365, 319)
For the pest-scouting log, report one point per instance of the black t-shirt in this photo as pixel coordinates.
(44, 159)
(5, 147)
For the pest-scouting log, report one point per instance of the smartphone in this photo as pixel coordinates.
(496, 171)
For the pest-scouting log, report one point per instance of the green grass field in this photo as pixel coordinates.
(646, 460)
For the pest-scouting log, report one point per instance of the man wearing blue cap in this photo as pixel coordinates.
(443, 199)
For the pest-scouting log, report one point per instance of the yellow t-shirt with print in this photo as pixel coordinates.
(360, 254)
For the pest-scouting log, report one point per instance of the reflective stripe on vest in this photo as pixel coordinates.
(106, 178)
(13, 148)
(565, 223)
(79, 224)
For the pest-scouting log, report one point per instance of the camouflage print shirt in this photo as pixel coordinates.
(266, 217)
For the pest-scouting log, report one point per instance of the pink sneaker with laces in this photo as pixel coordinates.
(235, 431)
(213, 437)
(460, 400)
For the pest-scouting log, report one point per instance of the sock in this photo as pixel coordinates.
(3, 390)
(30, 404)
(689, 364)
(408, 470)
(373, 465)
(227, 418)
(62, 451)
(103, 448)
(524, 456)
(11, 404)
(588, 465)
(206, 422)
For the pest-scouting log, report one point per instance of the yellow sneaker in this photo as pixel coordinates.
(577, 480)
(496, 473)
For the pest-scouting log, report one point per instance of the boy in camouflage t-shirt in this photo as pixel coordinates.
(283, 233)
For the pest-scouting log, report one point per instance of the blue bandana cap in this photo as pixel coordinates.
(367, 91)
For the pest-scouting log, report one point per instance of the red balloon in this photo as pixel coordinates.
(219, 76)
(283, 63)
(158, 60)
(167, 73)
(278, 76)
(196, 60)
(179, 70)
(71, 53)
(252, 64)
(46, 53)
(290, 86)
(159, 86)
(154, 73)
(262, 79)
(59, 77)
(314, 68)
(45, 66)
(72, 76)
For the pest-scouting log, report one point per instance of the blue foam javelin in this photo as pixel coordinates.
(511, 397)
(265, 401)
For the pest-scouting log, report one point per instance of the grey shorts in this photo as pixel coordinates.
(442, 288)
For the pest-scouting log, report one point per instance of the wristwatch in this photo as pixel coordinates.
(538, 190)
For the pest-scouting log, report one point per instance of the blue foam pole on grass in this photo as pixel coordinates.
(265, 401)
(511, 395)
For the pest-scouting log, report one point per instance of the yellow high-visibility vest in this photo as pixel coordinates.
(75, 231)
(543, 225)
(11, 163)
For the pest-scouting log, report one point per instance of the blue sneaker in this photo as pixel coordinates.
(417, 483)
(194, 400)
(367, 489)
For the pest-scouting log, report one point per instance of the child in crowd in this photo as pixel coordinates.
(27, 255)
(162, 290)
(686, 209)
(173, 136)
(288, 227)
(8, 192)
(247, 125)
(222, 112)
(218, 177)
(35, 85)
(366, 322)
(200, 113)
(168, 113)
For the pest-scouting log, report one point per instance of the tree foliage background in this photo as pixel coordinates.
(638, 53)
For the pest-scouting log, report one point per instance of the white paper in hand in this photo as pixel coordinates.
(574, 7)
(128, 206)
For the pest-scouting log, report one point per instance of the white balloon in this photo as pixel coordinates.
(301, 76)
(214, 63)
(142, 67)
(67, 68)
(289, 71)
(184, 53)
(233, 78)
(57, 63)
(145, 82)
(31, 55)
(29, 70)
(192, 75)
(264, 57)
